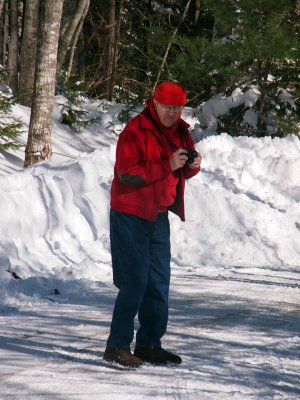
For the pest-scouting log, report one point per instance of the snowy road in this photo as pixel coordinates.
(236, 329)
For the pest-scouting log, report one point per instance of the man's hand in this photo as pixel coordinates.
(196, 163)
(177, 159)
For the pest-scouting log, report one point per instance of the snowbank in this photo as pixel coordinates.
(243, 209)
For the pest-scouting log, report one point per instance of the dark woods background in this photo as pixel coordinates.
(119, 50)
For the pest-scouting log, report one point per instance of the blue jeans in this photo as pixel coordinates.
(140, 252)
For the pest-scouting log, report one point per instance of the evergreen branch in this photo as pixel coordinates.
(170, 43)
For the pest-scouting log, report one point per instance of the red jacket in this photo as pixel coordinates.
(142, 168)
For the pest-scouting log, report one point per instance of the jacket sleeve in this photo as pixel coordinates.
(187, 171)
(132, 165)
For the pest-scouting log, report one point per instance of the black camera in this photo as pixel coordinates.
(191, 155)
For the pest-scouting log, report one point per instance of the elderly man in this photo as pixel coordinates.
(155, 155)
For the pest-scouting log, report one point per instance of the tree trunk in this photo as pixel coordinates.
(75, 40)
(39, 138)
(1, 6)
(194, 11)
(69, 26)
(13, 47)
(297, 7)
(28, 52)
(80, 57)
(111, 47)
(261, 119)
(116, 50)
(264, 68)
(4, 34)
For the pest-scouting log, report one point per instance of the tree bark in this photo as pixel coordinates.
(116, 48)
(12, 65)
(39, 138)
(75, 40)
(264, 68)
(28, 52)
(111, 47)
(297, 7)
(5, 34)
(1, 6)
(69, 27)
(197, 10)
(261, 116)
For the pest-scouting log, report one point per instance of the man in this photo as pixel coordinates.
(154, 156)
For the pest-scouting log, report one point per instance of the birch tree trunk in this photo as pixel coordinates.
(12, 65)
(1, 6)
(28, 52)
(75, 41)
(297, 7)
(39, 138)
(71, 22)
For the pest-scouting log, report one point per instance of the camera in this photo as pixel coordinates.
(191, 155)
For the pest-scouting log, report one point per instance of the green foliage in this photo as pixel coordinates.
(234, 43)
(257, 43)
(231, 122)
(73, 112)
(126, 114)
(285, 111)
(10, 128)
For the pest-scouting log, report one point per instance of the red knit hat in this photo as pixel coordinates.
(170, 93)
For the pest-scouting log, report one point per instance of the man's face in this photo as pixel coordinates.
(167, 114)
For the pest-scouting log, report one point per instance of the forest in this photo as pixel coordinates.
(120, 49)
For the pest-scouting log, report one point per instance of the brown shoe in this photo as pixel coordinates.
(122, 356)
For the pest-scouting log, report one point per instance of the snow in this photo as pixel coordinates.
(234, 302)
(208, 112)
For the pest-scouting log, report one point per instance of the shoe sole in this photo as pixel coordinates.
(115, 362)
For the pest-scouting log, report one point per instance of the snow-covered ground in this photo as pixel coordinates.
(235, 300)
